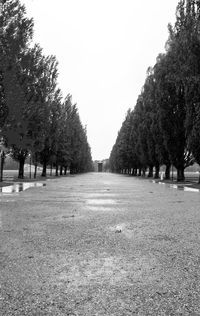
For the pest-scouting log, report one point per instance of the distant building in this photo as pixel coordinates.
(101, 165)
(98, 166)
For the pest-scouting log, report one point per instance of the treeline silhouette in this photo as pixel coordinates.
(164, 126)
(35, 119)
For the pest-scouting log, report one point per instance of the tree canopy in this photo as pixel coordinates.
(163, 127)
(35, 119)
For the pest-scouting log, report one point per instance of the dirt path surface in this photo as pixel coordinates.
(100, 244)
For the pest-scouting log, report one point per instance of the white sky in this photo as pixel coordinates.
(104, 48)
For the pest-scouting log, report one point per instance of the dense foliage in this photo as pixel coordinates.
(164, 126)
(34, 119)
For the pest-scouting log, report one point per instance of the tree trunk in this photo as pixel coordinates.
(1, 171)
(30, 168)
(139, 172)
(65, 171)
(35, 165)
(156, 176)
(21, 168)
(2, 164)
(180, 174)
(56, 170)
(150, 174)
(143, 172)
(135, 172)
(61, 170)
(35, 171)
(167, 172)
(44, 170)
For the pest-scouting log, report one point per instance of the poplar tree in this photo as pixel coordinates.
(16, 32)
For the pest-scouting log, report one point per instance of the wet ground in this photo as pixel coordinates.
(19, 187)
(100, 244)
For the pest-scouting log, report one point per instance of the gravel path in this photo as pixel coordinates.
(100, 244)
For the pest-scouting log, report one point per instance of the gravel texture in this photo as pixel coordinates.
(100, 244)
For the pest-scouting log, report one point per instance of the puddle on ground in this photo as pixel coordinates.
(178, 187)
(182, 188)
(101, 204)
(123, 229)
(99, 195)
(101, 201)
(19, 187)
(101, 208)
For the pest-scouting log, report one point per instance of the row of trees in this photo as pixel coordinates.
(164, 126)
(34, 117)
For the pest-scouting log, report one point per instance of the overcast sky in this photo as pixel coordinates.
(104, 48)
